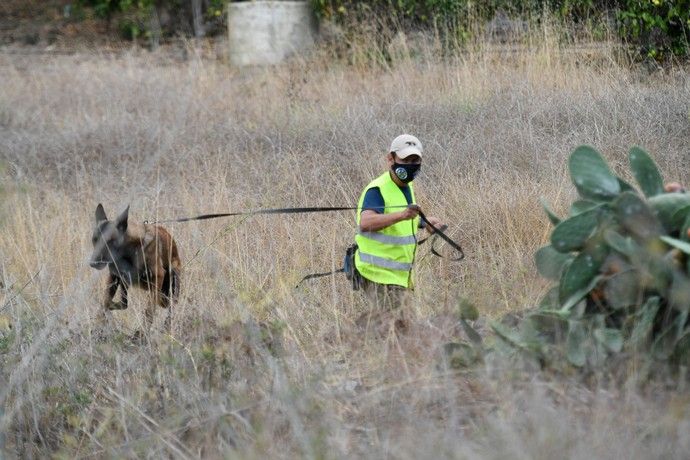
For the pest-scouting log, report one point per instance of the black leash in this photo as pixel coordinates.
(303, 210)
(319, 275)
(438, 232)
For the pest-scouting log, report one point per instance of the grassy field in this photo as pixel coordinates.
(178, 137)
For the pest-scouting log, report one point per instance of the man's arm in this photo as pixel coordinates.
(371, 221)
(373, 218)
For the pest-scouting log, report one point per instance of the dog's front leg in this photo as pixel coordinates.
(155, 295)
(113, 283)
(105, 317)
(141, 335)
(123, 295)
(169, 295)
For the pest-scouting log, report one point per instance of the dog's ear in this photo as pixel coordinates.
(121, 221)
(100, 213)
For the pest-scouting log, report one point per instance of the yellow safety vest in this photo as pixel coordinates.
(386, 256)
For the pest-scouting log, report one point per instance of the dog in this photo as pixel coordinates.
(139, 255)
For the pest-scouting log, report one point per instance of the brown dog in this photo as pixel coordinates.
(136, 255)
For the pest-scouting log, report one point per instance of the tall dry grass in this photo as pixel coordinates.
(176, 138)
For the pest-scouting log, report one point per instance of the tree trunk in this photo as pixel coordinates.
(155, 28)
(2, 433)
(197, 19)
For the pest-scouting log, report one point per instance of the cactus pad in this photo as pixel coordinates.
(592, 176)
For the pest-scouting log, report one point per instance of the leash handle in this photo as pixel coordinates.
(439, 232)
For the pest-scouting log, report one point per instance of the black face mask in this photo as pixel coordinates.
(406, 172)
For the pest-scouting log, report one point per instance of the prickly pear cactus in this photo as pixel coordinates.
(621, 263)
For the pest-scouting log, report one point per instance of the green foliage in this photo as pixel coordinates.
(422, 11)
(106, 8)
(460, 355)
(141, 18)
(467, 310)
(670, 209)
(646, 173)
(550, 262)
(573, 232)
(621, 266)
(6, 340)
(591, 175)
(436, 11)
(132, 15)
(551, 215)
(659, 27)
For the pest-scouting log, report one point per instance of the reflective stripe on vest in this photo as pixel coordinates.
(389, 239)
(381, 262)
(386, 256)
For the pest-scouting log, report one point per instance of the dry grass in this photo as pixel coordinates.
(179, 138)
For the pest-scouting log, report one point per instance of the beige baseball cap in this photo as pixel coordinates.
(405, 145)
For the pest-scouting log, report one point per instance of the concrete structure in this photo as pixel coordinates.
(266, 32)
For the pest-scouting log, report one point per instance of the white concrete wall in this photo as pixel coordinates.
(266, 32)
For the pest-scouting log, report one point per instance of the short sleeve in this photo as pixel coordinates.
(373, 201)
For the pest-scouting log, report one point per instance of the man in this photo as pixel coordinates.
(387, 221)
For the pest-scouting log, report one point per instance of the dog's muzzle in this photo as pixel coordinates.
(98, 264)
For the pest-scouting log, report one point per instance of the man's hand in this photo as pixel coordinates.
(410, 212)
(435, 221)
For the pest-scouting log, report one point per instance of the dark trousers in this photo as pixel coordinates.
(388, 303)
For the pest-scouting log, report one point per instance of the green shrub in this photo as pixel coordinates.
(621, 260)
(139, 18)
(132, 15)
(106, 8)
(658, 27)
